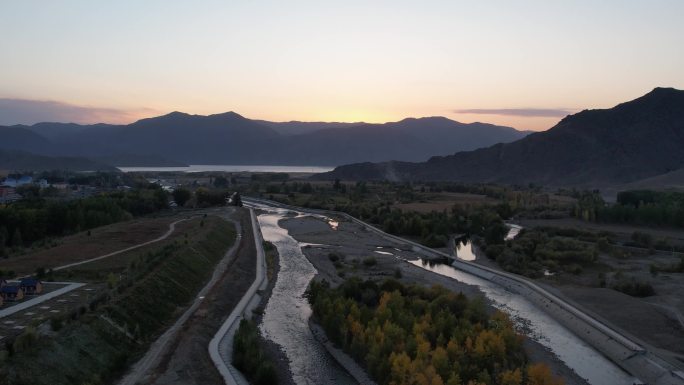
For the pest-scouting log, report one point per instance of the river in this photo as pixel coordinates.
(287, 312)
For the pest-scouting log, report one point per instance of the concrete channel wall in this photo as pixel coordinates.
(629, 355)
(221, 346)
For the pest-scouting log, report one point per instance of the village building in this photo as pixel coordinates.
(16, 182)
(8, 195)
(31, 286)
(11, 293)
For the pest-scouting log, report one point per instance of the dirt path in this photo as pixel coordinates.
(87, 244)
(160, 346)
(172, 228)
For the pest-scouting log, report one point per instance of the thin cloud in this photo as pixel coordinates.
(26, 111)
(525, 112)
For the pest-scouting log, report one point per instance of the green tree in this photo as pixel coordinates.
(17, 239)
(181, 196)
(220, 182)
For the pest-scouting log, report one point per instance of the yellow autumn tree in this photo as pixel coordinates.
(540, 374)
(511, 377)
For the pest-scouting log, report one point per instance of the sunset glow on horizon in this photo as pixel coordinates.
(523, 64)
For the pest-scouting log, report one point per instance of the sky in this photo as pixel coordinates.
(521, 63)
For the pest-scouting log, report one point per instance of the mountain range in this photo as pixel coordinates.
(178, 139)
(633, 141)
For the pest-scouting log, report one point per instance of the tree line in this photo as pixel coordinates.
(640, 207)
(26, 222)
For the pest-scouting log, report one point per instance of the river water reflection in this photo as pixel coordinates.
(287, 312)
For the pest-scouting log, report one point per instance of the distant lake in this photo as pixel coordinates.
(230, 168)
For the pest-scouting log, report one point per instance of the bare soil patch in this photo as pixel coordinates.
(445, 201)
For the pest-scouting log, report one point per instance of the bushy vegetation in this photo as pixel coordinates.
(181, 196)
(249, 358)
(633, 287)
(415, 335)
(214, 197)
(669, 268)
(25, 222)
(535, 251)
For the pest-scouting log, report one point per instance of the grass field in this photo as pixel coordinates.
(81, 246)
(98, 270)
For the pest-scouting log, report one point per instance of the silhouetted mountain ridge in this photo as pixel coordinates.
(631, 141)
(229, 138)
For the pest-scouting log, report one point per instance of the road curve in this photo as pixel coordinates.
(221, 346)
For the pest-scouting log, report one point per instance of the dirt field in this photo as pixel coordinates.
(102, 240)
(187, 359)
(445, 201)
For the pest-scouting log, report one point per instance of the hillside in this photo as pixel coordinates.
(229, 138)
(18, 138)
(24, 161)
(636, 140)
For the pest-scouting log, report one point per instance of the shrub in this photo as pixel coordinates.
(56, 323)
(493, 251)
(370, 261)
(634, 288)
(25, 340)
(248, 356)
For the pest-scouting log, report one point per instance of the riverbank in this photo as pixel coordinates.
(353, 250)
